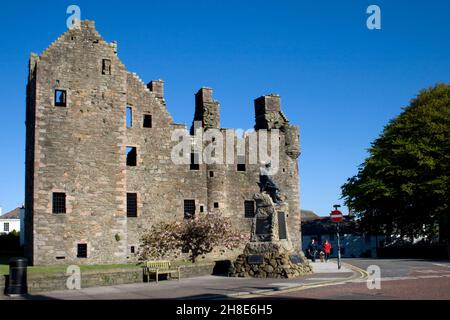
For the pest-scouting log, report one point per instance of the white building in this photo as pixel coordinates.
(11, 221)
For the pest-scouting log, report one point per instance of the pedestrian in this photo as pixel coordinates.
(312, 250)
(326, 247)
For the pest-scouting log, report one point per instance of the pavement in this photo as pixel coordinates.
(400, 279)
(207, 287)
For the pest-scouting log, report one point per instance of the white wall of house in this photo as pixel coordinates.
(8, 225)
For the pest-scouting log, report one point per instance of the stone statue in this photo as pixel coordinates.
(266, 184)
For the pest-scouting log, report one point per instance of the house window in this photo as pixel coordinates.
(132, 205)
(249, 208)
(216, 205)
(6, 226)
(189, 209)
(147, 123)
(131, 156)
(59, 202)
(82, 250)
(106, 66)
(129, 117)
(211, 174)
(60, 98)
(194, 162)
(241, 163)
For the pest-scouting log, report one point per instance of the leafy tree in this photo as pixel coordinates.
(198, 236)
(403, 186)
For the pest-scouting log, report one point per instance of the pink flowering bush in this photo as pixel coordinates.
(198, 236)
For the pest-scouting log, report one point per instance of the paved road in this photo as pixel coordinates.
(400, 279)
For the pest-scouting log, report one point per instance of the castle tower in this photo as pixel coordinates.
(268, 116)
(207, 113)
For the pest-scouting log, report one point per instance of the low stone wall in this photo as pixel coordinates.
(96, 278)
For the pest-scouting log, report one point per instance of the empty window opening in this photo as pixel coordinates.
(147, 123)
(241, 163)
(216, 204)
(189, 209)
(60, 258)
(201, 209)
(211, 174)
(129, 117)
(131, 156)
(194, 162)
(106, 66)
(59, 202)
(249, 206)
(132, 249)
(82, 250)
(132, 205)
(60, 98)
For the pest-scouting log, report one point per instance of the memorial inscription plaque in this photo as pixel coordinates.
(282, 234)
(295, 258)
(255, 259)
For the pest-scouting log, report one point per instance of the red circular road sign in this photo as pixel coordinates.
(336, 216)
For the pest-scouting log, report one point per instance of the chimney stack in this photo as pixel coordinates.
(157, 87)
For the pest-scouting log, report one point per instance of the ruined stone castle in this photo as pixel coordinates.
(98, 157)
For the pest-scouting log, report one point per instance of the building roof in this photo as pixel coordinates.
(13, 214)
(308, 215)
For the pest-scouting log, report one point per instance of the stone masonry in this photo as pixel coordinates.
(79, 151)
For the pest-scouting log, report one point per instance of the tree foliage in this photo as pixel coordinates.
(197, 236)
(403, 186)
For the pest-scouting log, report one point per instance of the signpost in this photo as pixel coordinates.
(336, 216)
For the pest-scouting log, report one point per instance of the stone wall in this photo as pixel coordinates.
(57, 281)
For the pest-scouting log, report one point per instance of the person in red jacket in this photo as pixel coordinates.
(326, 247)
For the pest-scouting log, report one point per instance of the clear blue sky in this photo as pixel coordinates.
(338, 80)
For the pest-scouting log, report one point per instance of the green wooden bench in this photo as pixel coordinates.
(160, 267)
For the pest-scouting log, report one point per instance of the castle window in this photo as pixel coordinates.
(147, 121)
(131, 156)
(189, 209)
(106, 66)
(194, 162)
(201, 209)
(216, 204)
(59, 202)
(60, 98)
(131, 205)
(6, 227)
(129, 117)
(81, 250)
(132, 249)
(211, 174)
(241, 163)
(249, 207)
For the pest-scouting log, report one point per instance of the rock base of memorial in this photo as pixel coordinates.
(270, 260)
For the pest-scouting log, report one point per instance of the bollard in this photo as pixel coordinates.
(17, 276)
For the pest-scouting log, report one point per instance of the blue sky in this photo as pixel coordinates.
(338, 80)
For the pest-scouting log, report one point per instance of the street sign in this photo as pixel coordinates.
(336, 216)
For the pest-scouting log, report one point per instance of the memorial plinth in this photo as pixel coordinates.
(270, 253)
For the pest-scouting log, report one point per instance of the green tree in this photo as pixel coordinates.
(403, 186)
